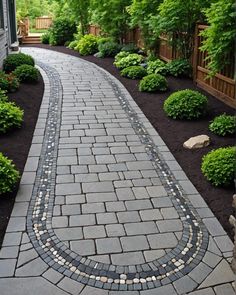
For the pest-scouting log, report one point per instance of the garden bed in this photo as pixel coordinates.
(16, 144)
(175, 133)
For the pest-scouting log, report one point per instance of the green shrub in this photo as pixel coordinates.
(157, 67)
(185, 104)
(103, 40)
(218, 166)
(27, 74)
(179, 68)
(132, 59)
(87, 45)
(8, 82)
(134, 72)
(11, 116)
(62, 30)
(15, 60)
(45, 38)
(153, 83)
(3, 96)
(223, 125)
(131, 48)
(121, 55)
(73, 44)
(108, 49)
(8, 175)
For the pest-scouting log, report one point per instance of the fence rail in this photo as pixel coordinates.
(43, 22)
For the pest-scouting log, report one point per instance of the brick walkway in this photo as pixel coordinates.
(103, 207)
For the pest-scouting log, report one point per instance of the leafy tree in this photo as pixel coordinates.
(177, 19)
(141, 11)
(220, 35)
(112, 17)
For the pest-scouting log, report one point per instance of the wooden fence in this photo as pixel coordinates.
(43, 22)
(222, 85)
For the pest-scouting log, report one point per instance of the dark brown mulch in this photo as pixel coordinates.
(16, 143)
(174, 133)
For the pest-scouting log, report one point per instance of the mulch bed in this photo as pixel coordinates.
(16, 143)
(174, 133)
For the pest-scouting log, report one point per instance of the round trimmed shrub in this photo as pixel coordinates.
(218, 166)
(223, 125)
(27, 74)
(132, 59)
(185, 104)
(134, 72)
(153, 83)
(8, 175)
(11, 116)
(13, 61)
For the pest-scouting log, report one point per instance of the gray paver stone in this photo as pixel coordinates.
(108, 245)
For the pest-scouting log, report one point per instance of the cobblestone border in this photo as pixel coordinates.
(174, 265)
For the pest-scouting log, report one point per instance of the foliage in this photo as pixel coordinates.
(223, 125)
(3, 96)
(8, 175)
(103, 40)
(185, 104)
(12, 61)
(153, 83)
(108, 49)
(111, 16)
(45, 38)
(218, 166)
(220, 35)
(8, 82)
(73, 44)
(27, 74)
(132, 59)
(177, 20)
(157, 67)
(131, 48)
(179, 68)
(121, 55)
(62, 30)
(134, 72)
(11, 116)
(141, 11)
(87, 45)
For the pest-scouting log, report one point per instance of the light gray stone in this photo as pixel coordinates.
(94, 232)
(12, 239)
(140, 228)
(34, 268)
(70, 286)
(164, 240)
(108, 245)
(97, 187)
(185, 285)
(134, 243)
(131, 258)
(69, 234)
(82, 220)
(52, 276)
(115, 230)
(83, 247)
(225, 289)
(68, 189)
(197, 142)
(106, 218)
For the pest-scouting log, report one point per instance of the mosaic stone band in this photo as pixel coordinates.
(172, 266)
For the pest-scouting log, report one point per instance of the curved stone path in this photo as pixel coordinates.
(103, 206)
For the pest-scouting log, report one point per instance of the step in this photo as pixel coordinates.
(31, 42)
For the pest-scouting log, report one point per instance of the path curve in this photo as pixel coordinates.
(90, 122)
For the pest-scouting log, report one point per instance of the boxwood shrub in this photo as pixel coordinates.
(153, 83)
(223, 125)
(11, 116)
(218, 166)
(185, 104)
(13, 61)
(8, 82)
(62, 30)
(8, 175)
(134, 72)
(132, 59)
(27, 74)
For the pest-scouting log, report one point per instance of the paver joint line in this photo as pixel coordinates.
(163, 197)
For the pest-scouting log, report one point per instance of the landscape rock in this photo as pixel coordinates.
(197, 142)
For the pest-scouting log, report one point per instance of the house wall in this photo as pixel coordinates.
(4, 43)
